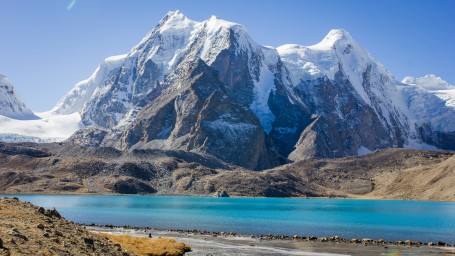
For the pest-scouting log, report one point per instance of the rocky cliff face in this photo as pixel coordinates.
(11, 104)
(208, 88)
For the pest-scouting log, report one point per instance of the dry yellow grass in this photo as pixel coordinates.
(149, 246)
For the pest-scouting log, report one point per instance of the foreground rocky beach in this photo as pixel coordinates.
(230, 243)
(26, 229)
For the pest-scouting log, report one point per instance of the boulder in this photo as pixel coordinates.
(222, 193)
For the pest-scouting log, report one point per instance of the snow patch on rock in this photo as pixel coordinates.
(260, 107)
(363, 151)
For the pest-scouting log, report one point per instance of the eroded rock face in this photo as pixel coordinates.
(342, 121)
(230, 132)
(88, 137)
(440, 139)
(202, 118)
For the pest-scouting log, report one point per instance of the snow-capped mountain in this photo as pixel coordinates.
(208, 88)
(11, 104)
(123, 84)
(19, 124)
(435, 85)
(353, 93)
(431, 104)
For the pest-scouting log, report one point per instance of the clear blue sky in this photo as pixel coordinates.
(46, 49)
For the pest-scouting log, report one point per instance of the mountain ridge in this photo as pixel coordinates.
(208, 88)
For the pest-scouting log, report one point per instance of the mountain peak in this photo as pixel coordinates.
(174, 15)
(174, 20)
(214, 23)
(11, 104)
(334, 37)
(430, 82)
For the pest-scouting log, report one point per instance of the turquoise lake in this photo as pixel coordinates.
(390, 220)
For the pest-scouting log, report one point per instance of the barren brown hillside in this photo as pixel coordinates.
(387, 174)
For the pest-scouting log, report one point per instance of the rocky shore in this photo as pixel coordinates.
(26, 229)
(334, 244)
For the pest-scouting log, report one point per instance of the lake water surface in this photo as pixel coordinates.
(390, 220)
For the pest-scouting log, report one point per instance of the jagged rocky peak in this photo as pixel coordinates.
(11, 105)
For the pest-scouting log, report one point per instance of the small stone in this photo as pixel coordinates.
(118, 246)
(366, 240)
(16, 233)
(41, 210)
(88, 241)
(58, 233)
(1, 243)
(52, 213)
(40, 226)
(355, 240)
(222, 193)
(439, 243)
(46, 234)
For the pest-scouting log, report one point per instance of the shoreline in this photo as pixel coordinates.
(228, 243)
(263, 237)
(231, 196)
